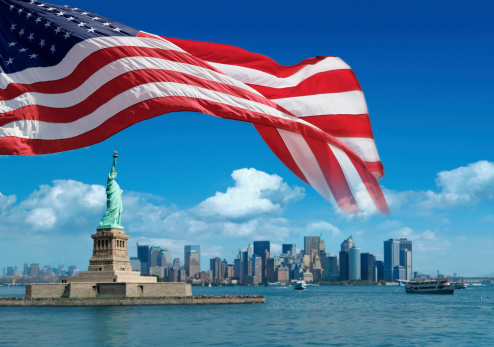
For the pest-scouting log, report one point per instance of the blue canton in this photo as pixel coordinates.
(35, 33)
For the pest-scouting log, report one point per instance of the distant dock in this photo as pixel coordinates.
(190, 300)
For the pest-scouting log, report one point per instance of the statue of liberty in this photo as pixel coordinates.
(111, 218)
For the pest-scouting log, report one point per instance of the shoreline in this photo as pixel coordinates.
(147, 301)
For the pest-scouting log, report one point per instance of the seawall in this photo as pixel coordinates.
(196, 300)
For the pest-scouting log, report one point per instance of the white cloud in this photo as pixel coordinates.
(255, 194)
(65, 202)
(466, 186)
(319, 227)
(423, 242)
(250, 209)
(6, 201)
(487, 219)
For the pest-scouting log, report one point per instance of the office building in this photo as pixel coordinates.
(378, 270)
(354, 263)
(35, 270)
(367, 261)
(263, 250)
(192, 264)
(143, 255)
(166, 258)
(154, 256)
(176, 264)
(391, 258)
(289, 248)
(344, 258)
(406, 258)
(331, 271)
(216, 268)
(397, 260)
(135, 263)
(310, 243)
(189, 248)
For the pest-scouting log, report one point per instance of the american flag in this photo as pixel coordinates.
(71, 78)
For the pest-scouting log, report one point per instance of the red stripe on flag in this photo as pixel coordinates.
(343, 125)
(372, 186)
(117, 86)
(94, 62)
(335, 81)
(231, 55)
(273, 139)
(334, 175)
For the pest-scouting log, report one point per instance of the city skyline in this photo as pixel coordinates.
(156, 256)
(193, 179)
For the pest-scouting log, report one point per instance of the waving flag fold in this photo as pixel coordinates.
(70, 78)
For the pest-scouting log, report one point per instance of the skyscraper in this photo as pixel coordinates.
(263, 249)
(192, 263)
(176, 264)
(406, 258)
(289, 248)
(397, 260)
(344, 258)
(35, 270)
(354, 263)
(378, 270)
(331, 268)
(143, 255)
(166, 258)
(215, 266)
(189, 248)
(310, 243)
(367, 261)
(154, 256)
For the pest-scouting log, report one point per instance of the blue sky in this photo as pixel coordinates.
(426, 71)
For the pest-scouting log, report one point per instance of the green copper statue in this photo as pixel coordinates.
(111, 218)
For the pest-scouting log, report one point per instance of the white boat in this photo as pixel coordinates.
(430, 287)
(209, 285)
(300, 285)
(460, 285)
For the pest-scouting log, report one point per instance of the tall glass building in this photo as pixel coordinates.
(397, 254)
(190, 248)
(354, 263)
(263, 249)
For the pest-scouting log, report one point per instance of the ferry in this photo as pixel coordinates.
(300, 285)
(460, 285)
(430, 287)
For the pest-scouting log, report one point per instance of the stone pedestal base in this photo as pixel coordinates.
(107, 290)
(109, 277)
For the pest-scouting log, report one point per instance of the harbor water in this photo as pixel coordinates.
(319, 315)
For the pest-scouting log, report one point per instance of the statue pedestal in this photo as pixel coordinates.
(110, 262)
(109, 275)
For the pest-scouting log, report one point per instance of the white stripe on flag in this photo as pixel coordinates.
(307, 162)
(355, 183)
(54, 131)
(77, 54)
(108, 73)
(325, 104)
(260, 78)
(364, 147)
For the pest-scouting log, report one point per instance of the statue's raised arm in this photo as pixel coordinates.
(111, 218)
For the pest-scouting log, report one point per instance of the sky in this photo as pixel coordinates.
(426, 71)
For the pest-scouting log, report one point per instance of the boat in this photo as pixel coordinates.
(209, 285)
(460, 285)
(300, 285)
(430, 287)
